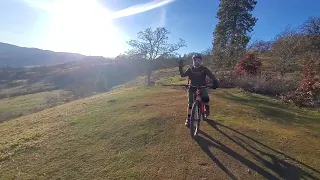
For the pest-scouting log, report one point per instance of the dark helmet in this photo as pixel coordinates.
(196, 60)
(197, 56)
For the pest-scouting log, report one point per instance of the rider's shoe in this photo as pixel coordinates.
(207, 110)
(187, 123)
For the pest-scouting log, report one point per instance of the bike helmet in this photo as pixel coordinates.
(196, 60)
(197, 56)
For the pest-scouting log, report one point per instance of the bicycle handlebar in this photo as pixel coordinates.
(188, 86)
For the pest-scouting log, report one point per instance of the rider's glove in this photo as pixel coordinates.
(180, 64)
(215, 84)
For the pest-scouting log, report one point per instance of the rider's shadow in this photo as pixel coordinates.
(271, 159)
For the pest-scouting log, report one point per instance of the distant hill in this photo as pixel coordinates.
(15, 56)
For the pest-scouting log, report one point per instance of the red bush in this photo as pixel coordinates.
(308, 92)
(310, 78)
(249, 65)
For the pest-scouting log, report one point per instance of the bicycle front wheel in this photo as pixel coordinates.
(195, 119)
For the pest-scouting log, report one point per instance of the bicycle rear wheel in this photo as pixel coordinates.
(195, 119)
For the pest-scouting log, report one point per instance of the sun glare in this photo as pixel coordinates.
(83, 26)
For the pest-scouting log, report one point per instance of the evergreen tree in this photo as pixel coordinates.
(231, 33)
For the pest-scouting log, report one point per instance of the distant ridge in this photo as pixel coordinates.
(16, 56)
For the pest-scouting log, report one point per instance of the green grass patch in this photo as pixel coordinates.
(172, 80)
(274, 109)
(22, 105)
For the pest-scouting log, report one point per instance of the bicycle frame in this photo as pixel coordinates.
(198, 98)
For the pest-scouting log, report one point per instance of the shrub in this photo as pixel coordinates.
(249, 65)
(268, 85)
(308, 92)
(226, 79)
(310, 78)
(15, 83)
(271, 84)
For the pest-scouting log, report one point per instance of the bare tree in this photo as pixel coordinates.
(207, 56)
(311, 32)
(296, 44)
(260, 46)
(286, 48)
(152, 44)
(312, 26)
(207, 51)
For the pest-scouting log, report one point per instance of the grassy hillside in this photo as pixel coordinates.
(22, 105)
(29, 80)
(29, 98)
(139, 133)
(160, 77)
(79, 77)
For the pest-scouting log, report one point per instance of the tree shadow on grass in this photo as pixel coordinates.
(206, 142)
(269, 163)
(205, 146)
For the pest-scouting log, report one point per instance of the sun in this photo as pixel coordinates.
(83, 26)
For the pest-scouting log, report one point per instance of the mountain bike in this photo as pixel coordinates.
(198, 110)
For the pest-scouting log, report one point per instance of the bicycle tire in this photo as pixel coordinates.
(195, 122)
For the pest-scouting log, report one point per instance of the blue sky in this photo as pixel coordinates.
(102, 27)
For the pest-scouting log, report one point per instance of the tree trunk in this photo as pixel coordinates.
(148, 78)
(149, 73)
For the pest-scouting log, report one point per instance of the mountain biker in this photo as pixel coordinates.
(197, 75)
